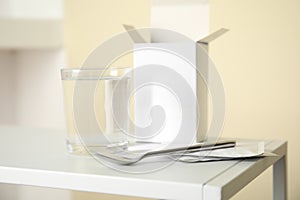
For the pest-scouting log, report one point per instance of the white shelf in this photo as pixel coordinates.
(18, 33)
(37, 157)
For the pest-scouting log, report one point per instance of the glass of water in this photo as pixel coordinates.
(97, 107)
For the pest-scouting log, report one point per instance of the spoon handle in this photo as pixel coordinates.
(195, 147)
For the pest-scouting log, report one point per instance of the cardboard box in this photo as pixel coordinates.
(184, 58)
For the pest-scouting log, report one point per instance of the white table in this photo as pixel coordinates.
(38, 158)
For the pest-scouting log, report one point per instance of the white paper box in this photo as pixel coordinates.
(183, 57)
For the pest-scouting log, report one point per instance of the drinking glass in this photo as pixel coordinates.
(97, 107)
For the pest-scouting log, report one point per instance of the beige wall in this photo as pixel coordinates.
(258, 60)
(260, 65)
(88, 23)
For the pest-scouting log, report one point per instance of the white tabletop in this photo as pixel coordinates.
(38, 157)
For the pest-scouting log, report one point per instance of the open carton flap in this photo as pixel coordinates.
(213, 36)
(134, 34)
(153, 36)
(137, 37)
